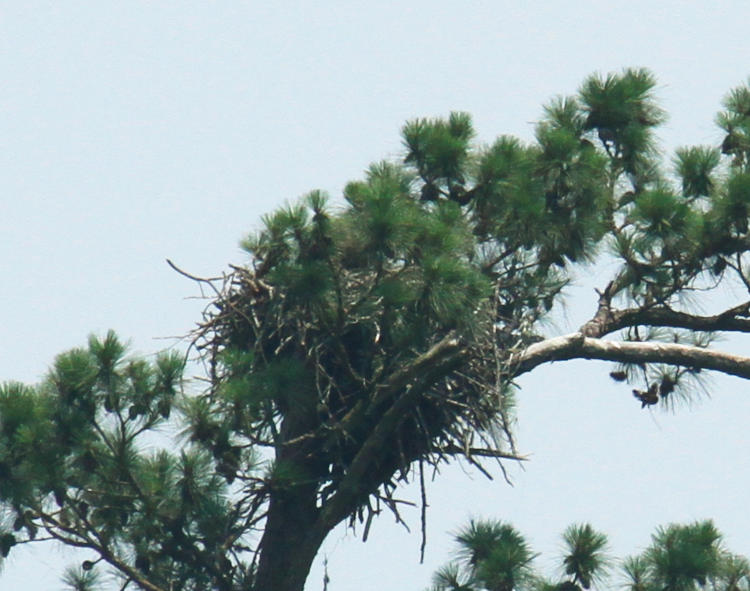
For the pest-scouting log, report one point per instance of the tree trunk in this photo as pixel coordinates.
(291, 540)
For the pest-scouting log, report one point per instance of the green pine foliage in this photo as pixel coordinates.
(684, 557)
(76, 468)
(585, 558)
(493, 556)
(82, 578)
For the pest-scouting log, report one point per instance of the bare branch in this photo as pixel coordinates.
(605, 322)
(193, 277)
(578, 346)
(482, 452)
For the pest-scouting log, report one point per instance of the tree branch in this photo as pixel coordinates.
(455, 450)
(449, 346)
(732, 320)
(406, 385)
(51, 524)
(578, 346)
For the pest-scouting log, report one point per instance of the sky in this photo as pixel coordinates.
(133, 132)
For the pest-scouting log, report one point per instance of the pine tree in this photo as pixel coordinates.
(681, 557)
(369, 339)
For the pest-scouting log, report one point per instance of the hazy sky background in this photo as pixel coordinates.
(136, 131)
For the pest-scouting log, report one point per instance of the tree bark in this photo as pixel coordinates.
(579, 346)
(291, 540)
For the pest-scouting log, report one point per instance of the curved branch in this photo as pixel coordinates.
(731, 320)
(579, 346)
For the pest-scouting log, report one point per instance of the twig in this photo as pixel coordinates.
(193, 277)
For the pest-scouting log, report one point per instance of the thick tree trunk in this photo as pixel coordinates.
(291, 540)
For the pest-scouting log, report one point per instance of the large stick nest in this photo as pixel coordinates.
(344, 359)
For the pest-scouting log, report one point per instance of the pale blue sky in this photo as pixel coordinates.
(136, 131)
